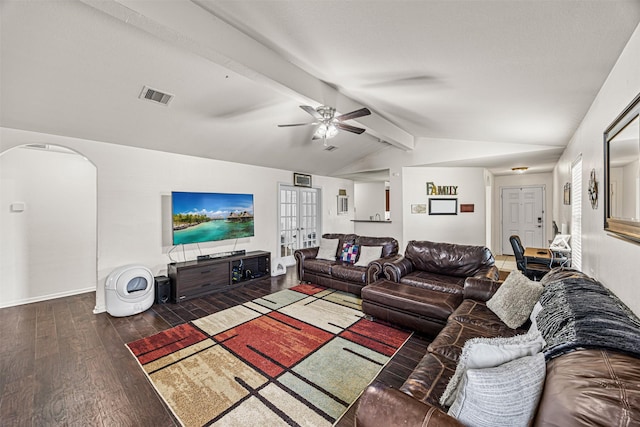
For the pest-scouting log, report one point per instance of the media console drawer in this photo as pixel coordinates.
(193, 279)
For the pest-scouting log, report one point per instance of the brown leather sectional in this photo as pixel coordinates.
(586, 387)
(342, 275)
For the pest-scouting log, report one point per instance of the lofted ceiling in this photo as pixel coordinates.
(516, 75)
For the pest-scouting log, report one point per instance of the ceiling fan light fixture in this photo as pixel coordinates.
(326, 131)
(332, 130)
(328, 124)
(321, 131)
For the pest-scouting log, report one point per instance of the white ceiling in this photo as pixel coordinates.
(517, 73)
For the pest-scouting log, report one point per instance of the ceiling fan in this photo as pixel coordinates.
(328, 124)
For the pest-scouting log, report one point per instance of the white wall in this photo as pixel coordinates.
(369, 199)
(47, 250)
(544, 180)
(134, 186)
(463, 228)
(612, 260)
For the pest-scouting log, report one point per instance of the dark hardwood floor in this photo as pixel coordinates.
(62, 365)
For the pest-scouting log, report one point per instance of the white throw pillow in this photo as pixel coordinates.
(368, 254)
(514, 299)
(480, 353)
(506, 395)
(328, 249)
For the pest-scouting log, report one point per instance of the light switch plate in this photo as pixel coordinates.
(17, 207)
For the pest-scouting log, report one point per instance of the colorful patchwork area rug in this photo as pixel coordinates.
(298, 357)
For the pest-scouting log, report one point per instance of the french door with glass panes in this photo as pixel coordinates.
(299, 219)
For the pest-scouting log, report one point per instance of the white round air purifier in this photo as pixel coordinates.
(129, 290)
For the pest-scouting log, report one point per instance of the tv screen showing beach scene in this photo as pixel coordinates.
(205, 217)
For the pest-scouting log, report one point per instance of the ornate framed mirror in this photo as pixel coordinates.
(622, 174)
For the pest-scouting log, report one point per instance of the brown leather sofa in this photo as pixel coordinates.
(441, 267)
(342, 275)
(425, 286)
(586, 387)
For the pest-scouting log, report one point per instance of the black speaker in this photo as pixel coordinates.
(163, 289)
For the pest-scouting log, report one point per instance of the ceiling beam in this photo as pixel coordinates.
(190, 26)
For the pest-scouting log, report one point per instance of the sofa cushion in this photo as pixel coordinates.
(448, 258)
(349, 272)
(452, 338)
(368, 254)
(476, 313)
(434, 281)
(429, 379)
(349, 253)
(328, 249)
(514, 300)
(321, 266)
(597, 387)
(479, 353)
(505, 395)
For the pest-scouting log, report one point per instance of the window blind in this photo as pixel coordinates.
(576, 214)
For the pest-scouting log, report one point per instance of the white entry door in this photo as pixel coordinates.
(299, 219)
(522, 214)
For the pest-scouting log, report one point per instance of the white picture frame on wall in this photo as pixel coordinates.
(443, 206)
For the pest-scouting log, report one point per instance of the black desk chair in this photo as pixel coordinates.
(533, 268)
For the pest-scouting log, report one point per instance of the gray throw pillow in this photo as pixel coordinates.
(328, 249)
(514, 299)
(506, 395)
(479, 353)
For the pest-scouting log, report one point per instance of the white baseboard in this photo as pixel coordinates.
(47, 297)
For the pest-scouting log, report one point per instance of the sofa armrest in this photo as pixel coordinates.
(480, 289)
(300, 255)
(375, 269)
(490, 272)
(398, 267)
(380, 405)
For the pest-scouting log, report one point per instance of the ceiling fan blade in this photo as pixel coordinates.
(349, 128)
(311, 111)
(297, 124)
(353, 115)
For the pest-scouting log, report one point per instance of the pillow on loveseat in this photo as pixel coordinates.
(349, 253)
(328, 249)
(368, 254)
(514, 299)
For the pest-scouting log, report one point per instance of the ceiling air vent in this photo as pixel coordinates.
(330, 148)
(155, 96)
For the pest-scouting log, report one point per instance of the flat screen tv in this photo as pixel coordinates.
(205, 217)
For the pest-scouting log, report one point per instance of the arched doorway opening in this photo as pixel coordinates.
(48, 223)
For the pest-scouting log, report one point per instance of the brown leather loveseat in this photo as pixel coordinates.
(591, 376)
(441, 267)
(345, 276)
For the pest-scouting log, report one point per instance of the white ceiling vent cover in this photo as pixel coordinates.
(330, 148)
(155, 95)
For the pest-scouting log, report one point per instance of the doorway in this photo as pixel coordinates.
(522, 214)
(299, 223)
(48, 222)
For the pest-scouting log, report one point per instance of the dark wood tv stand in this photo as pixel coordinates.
(192, 279)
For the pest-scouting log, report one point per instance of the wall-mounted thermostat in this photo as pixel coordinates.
(17, 207)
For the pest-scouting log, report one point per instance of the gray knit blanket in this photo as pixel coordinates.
(579, 312)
